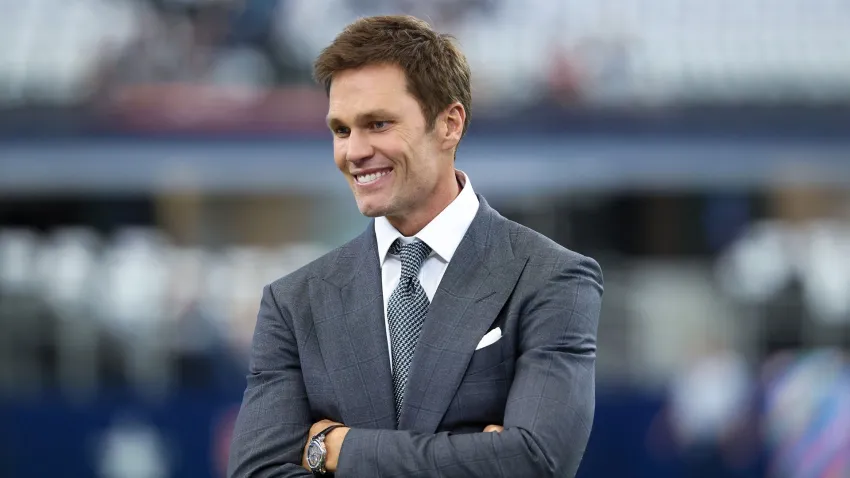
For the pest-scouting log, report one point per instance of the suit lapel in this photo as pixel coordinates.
(477, 283)
(349, 319)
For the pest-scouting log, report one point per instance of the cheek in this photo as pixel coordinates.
(406, 153)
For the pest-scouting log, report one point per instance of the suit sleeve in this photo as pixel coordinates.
(550, 406)
(274, 420)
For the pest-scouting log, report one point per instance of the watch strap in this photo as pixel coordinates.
(322, 434)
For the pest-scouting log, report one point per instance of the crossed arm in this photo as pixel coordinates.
(547, 420)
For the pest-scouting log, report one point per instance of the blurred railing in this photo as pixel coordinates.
(81, 312)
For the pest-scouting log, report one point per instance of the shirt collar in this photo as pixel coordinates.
(444, 233)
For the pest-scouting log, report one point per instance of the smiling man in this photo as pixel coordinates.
(443, 341)
(396, 170)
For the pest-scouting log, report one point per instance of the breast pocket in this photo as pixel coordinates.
(487, 363)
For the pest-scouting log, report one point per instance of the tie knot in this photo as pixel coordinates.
(412, 256)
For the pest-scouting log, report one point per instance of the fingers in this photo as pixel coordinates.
(493, 428)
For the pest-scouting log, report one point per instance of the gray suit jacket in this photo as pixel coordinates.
(320, 351)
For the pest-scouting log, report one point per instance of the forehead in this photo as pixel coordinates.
(373, 87)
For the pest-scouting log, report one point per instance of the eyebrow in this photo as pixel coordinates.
(379, 114)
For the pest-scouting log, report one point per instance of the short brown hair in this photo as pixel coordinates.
(436, 70)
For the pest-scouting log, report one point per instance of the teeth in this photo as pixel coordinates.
(368, 178)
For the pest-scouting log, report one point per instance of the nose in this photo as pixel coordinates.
(359, 147)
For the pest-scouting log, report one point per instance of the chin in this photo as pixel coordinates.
(372, 210)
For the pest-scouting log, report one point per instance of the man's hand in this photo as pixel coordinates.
(333, 443)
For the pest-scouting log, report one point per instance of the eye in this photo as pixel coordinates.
(341, 131)
(379, 125)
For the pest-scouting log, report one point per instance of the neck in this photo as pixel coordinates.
(414, 221)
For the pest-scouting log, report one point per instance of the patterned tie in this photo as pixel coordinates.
(406, 312)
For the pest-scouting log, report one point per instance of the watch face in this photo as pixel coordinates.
(315, 454)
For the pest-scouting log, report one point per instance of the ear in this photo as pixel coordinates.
(451, 129)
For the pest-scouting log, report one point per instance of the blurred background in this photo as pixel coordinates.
(162, 160)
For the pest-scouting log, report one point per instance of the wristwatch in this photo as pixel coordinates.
(317, 453)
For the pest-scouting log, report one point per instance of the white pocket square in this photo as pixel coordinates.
(490, 338)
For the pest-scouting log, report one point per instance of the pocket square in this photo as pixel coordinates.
(489, 338)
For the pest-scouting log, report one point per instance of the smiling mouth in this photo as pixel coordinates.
(371, 177)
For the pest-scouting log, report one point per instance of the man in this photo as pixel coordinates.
(443, 341)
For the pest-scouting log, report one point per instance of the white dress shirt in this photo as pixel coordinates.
(443, 234)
